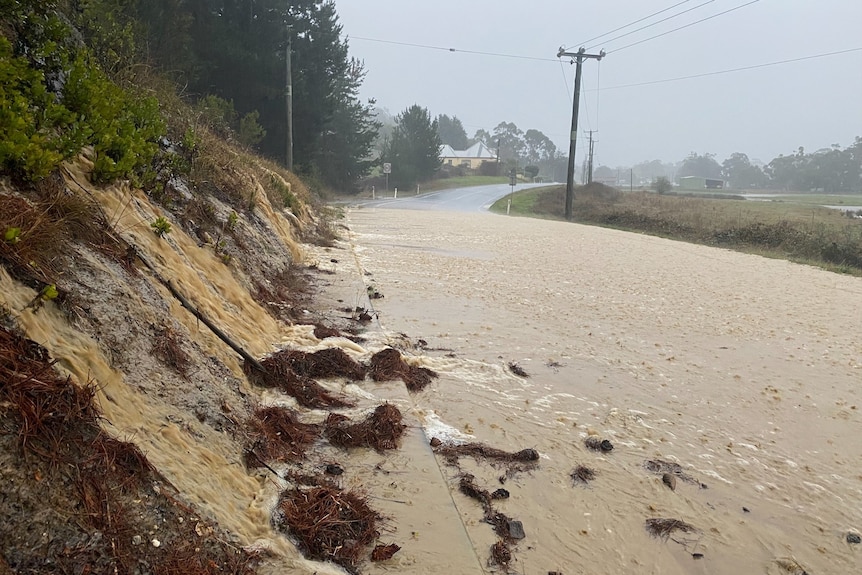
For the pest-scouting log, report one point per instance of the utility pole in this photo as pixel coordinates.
(590, 164)
(289, 102)
(579, 58)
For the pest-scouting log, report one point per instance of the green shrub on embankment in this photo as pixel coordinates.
(55, 100)
(806, 234)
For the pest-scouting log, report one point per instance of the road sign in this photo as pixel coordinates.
(387, 168)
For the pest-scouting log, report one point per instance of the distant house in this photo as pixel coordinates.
(470, 158)
(699, 183)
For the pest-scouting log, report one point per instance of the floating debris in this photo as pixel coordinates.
(697, 555)
(669, 479)
(664, 528)
(501, 555)
(791, 566)
(387, 365)
(384, 552)
(482, 451)
(322, 332)
(380, 430)
(598, 444)
(583, 474)
(329, 524)
(517, 369)
(661, 467)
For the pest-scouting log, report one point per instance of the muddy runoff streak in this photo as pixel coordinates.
(743, 370)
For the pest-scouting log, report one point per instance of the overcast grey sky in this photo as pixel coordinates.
(762, 112)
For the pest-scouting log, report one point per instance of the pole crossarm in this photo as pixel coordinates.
(578, 59)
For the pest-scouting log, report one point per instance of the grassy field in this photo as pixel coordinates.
(461, 182)
(819, 199)
(795, 231)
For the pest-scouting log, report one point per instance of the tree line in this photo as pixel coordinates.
(829, 170)
(230, 57)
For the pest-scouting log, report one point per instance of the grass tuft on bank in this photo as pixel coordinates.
(797, 232)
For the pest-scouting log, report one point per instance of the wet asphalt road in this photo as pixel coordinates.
(472, 199)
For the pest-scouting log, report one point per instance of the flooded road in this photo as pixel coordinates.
(744, 371)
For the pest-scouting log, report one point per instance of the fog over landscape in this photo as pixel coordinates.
(452, 58)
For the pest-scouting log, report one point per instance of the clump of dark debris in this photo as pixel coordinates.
(384, 552)
(598, 444)
(307, 392)
(388, 364)
(583, 474)
(480, 451)
(329, 362)
(508, 530)
(668, 468)
(381, 430)
(517, 369)
(278, 435)
(329, 524)
(664, 528)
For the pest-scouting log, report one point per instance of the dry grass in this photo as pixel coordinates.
(101, 485)
(381, 430)
(282, 293)
(168, 348)
(387, 365)
(809, 234)
(329, 524)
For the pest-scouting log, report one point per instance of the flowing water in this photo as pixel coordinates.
(742, 370)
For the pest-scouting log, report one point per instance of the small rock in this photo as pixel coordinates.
(516, 529)
(156, 543)
(598, 444)
(137, 540)
(854, 538)
(669, 479)
(500, 494)
(697, 555)
(746, 510)
(334, 469)
(435, 442)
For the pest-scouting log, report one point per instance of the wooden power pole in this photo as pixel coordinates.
(578, 59)
(288, 50)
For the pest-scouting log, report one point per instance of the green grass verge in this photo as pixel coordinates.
(797, 232)
(461, 182)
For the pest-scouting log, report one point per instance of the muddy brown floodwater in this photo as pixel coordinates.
(742, 370)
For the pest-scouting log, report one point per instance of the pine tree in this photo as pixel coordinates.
(414, 148)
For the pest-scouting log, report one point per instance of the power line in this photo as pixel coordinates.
(686, 26)
(671, 17)
(445, 49)
(718, 72)
(629, 24)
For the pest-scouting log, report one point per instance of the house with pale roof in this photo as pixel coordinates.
(470, 158)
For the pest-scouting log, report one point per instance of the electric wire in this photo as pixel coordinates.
(445, 49)
(629, 24)
(671, 17)
(731, 70)
(685, 26)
